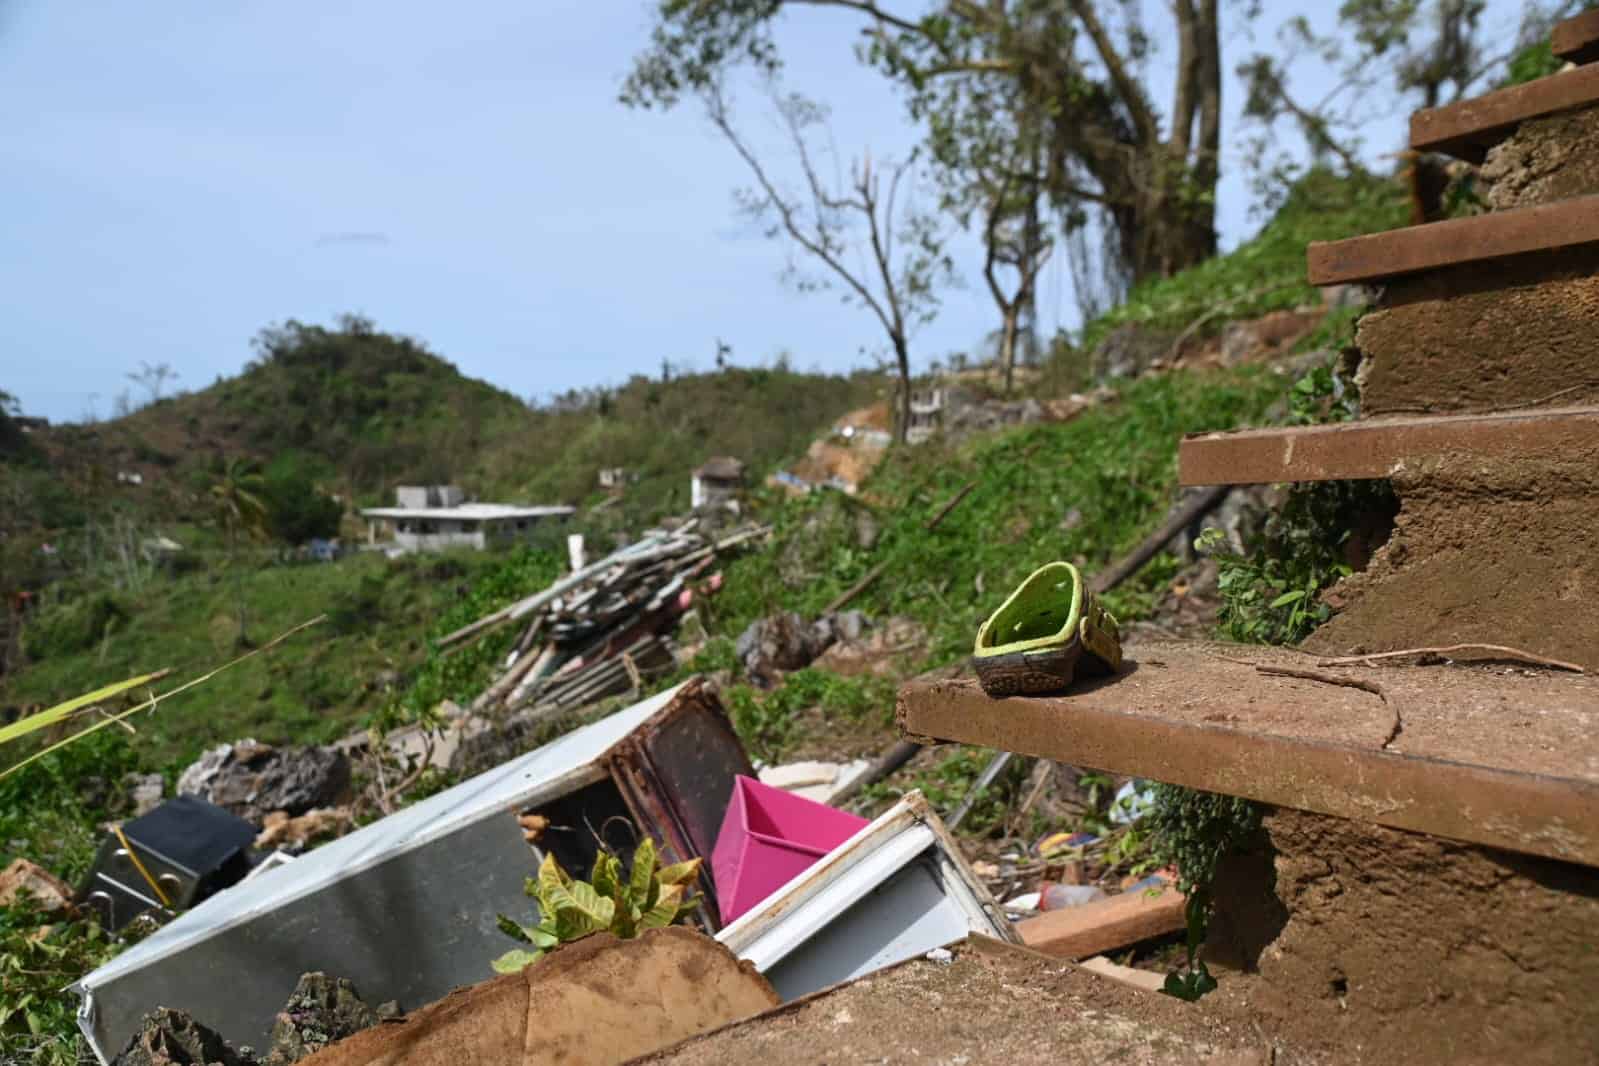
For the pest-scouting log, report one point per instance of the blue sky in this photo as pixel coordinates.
(178, 175)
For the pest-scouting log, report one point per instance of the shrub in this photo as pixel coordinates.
(648, 897)
(74, 626)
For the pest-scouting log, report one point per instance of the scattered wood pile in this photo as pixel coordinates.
(604, 629)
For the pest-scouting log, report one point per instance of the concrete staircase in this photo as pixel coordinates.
(1428, 889)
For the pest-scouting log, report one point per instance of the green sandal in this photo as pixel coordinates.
(1050, 631)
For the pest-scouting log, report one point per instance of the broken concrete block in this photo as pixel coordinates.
(252, 779)
(321, 1011)
(171, 1038)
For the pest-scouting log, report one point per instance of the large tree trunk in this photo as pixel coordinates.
(1169, 222)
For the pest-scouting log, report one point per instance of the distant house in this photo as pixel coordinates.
(614, 478)
(716, 482)
(435, 517)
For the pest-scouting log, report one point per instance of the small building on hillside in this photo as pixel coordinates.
(717, 481)
(435, 517)
(615, 478)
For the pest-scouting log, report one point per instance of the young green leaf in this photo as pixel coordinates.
(643, 869)
(515, 961)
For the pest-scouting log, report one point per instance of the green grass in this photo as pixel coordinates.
(1267, 272)
(313, 688)
(1086, 491)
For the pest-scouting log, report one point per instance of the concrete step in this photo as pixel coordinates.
(1576, 40)
(1466, 130)
(1380, 256)
(1475, 753)
(1376, 447)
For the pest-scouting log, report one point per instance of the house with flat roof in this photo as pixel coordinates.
(435, 517)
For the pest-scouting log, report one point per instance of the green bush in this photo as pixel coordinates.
(74, 626)
(297, 510)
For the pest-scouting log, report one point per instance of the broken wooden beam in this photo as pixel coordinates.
(1455, 241)
(1105, 924)
(1373, 447)
(1467, 129)
(1576, 40)
(1505, 759)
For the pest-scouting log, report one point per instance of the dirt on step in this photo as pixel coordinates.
(1400, 947)
(1547, 159)
(1484, 336)
(1494, 551)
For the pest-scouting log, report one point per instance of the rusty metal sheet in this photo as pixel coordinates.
(1373, 448)
(1508, 760)
(1377, 256)
(1469, 128)
(1576, 40)
(676, 774)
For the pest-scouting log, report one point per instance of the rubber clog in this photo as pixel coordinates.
(1050, 632)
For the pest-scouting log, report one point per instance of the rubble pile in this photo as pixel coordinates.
(604, 629)
(253, 780)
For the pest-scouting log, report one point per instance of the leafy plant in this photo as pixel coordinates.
(1194, 831)
(647, 897)
(1194, 979)
(38, 1024)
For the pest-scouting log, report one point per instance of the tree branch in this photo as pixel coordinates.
(1126, 87)
(869, 8)
(717, 109)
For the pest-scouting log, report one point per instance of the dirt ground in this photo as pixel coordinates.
(1491, 551)
(1389, 946)
(989, 1004)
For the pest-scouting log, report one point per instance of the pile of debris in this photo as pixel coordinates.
(603, 629)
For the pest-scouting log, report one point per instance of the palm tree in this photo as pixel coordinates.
(240, 509)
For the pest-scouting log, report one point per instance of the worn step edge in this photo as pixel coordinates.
(1456, 241)
(1576, 40)
(1535, 813)
(1466, 130)
(1373, 448)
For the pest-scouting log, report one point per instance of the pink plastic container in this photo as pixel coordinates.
(768, 838)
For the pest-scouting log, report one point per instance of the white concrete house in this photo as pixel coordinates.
(435, 517)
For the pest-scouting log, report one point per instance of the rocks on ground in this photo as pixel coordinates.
(252, 779)
(877, 653)
(145, 792)
(46, 891)
(295, 834)
(782, 642)
(171, 1038)
(1129, 350)
(321, 1011)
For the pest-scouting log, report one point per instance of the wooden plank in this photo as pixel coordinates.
(1105, 924)
(1455, 241)
(1576, 40)
(1143, 980)
(1466, 130)
(1507, 759)
(1374, 447)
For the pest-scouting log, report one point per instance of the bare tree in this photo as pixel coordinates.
(900, 263)
(153, 378)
